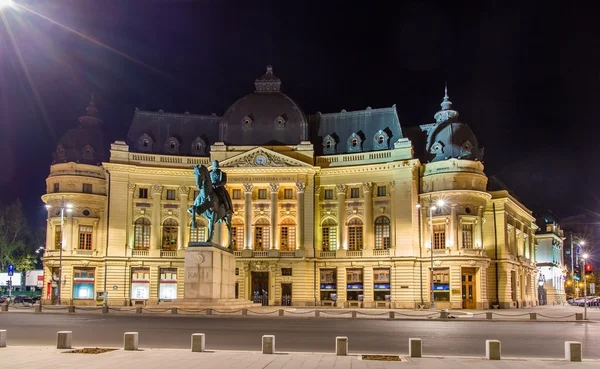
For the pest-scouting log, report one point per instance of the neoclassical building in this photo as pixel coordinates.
(340, 208)
(550, 262)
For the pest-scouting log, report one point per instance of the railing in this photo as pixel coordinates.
(260, 254)
(287, 254)
(327, 254)
(84, 252)
(354, 254)
(237, 254)
(140, 252)
(385, 252)
(169, 160)
(333, 160)
(168, 253)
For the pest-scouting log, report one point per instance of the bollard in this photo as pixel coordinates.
(130, 341)
(63, 339)
(443, 314)
(281, 312)
(104, 309)
(4, 307)
(173, 310)
(415, 347)
(37, 308)
(573, 351)
(208, 311)
(268, 344)
(492, 349)
(317, 313)
(198, 342)
(354, 313)
(3, 338)
(392, 315)
(578, 316)
(489, 316)
(244, 311)
(533, 316)
(71, 308)
(138, 310)
(341, 346)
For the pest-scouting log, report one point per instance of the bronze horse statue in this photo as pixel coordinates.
(209, 204)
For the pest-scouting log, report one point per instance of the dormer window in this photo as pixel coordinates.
(247, 122)
(60, 151)
(145, 143)
(172, 145)
(88, 152)
(280, 122)
(198, 146)
(328, 145)
(467, 146)
(354, 143)
(380, 140)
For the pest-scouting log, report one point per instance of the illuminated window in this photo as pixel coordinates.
(198, 234)
(329, 235)
(262, 194)
(287, 233)
(170, 230)
(83, 283)
(261, 235)
(237, 234)
(85, 237)
(355, 234)
(57, 237)
(288, 194)
(382, 233)
(141, 234)
(237, 194)
(439, 236)
(467, 236)
(328, 194)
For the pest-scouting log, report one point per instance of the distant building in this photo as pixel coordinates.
(550, 262)
(337, 208)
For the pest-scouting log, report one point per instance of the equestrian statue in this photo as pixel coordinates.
(212, 201)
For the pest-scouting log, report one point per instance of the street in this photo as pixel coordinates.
(453, 337)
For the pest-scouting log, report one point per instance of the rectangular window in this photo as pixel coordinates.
(328, 285)
(140, 283)
(198, 234)
(57, 236)
(286, 271)
(467, 236)
(381, 284)
(287, 238)
(354, 284)
(441, 284)
(329, 238)
(87, 188)
(261, 238)
(83, 283)
(328, 194)
(262, 194)
(237, 237)
(354, 193)
(56, 187)
(355, 238)
(288, 194)
(237, 194)
(85, 237)
(168, 284)
(170, 194)
(439, 236)
(143, 193)
(381, 191)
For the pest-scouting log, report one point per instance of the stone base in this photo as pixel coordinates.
(219, 304)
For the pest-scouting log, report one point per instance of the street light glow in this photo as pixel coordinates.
(440, 203)
(6, 3)
(585, 256)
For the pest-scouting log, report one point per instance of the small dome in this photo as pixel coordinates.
(265, 116)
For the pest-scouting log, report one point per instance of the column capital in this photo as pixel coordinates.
(392, 185)
(300, 187)
(341, 188)
(184, 190)
(156, 188)
(367, 186)
(130, 187)
(317, 190)
(248, 187)
(274, 187)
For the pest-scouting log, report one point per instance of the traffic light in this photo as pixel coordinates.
(588, 269)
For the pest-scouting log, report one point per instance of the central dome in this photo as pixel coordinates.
(265, 117)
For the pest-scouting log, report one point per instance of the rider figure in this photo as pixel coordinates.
(219, 180)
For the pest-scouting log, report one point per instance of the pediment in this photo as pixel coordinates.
(262, 158)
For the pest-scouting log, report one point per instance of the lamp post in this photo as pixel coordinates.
(439, 203)
(584, 258)
(68, 208)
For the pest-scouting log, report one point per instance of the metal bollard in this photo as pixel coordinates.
(244, 311)
(578, 316)
(71, 308)
(104, 309)
(138, 310)
(317, 312)
(130, 341)
(63, 339)
(281, 312)
(573, 351)
(354, 313)
(489, 315)
(532, 316)
(392, 315)
(198, 342)
(268, 344)
(208, 311)
(37, 308)
(341, 346)
(492, 349)
(415, 347)
(3, 338)
(4, 307)
(443, 314)
(173, 310)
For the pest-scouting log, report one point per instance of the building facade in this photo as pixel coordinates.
(339, 209)
(550, 262)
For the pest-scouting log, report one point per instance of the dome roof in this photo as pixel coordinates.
(266, 116)
(448, 138)
(84, 144)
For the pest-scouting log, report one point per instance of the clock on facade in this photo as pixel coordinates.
(260, 160)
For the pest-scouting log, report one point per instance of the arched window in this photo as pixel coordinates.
(172, 145)
(145, 143)
(328, 145)
(380, 140)
(354, 143)
(287, 235)
(355, 234)
(141, 234)
(382, 233)
(262, 231)
(237, 234)
(198, 234)
(170, 228)
(198, 146)
(329, 235)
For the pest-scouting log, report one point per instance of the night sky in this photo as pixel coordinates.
(526, 78)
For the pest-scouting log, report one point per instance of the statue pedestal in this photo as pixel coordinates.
(209, 279)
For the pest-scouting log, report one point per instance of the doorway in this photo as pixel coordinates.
(286, 294)
(468, 288)
(260, 288)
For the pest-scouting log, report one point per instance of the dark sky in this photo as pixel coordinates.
(525, 77)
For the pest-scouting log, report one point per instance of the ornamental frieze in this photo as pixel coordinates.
(140, 212)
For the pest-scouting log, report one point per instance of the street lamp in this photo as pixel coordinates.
(68, 208)
(584, 257)
(439, 203)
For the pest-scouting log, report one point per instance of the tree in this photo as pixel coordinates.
(15, 238)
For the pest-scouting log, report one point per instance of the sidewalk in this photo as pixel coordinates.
(47, 357)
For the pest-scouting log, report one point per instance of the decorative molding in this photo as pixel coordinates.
(274, 187)
(260, 157)
(341, 188)
(259, 266)
(287, 213)
(184, 190)
(392, 185)
(317, 190)
(142, 212)
(248, 187)
(355, 211)
(262, 213)
(130, 187)
(156, 188)
(300, 187)
(367, 186)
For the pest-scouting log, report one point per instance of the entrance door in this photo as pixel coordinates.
(286, 294)
(260, 288)
(468, 288)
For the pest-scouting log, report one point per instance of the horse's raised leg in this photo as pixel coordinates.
(228, 224)
(193, 217)
(211, 226)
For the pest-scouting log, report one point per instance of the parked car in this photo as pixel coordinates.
(25, 300)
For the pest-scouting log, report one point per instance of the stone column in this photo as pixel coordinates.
(300, 188)
(129, 229)
(155, 243)
(453, 227)
(368, 221)
(317, 237)
(274, 187)
(392, 214)
(69, 237)
(248, 214)
(480, 226)
(184, 193)
(341, 210)
(49, 233)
